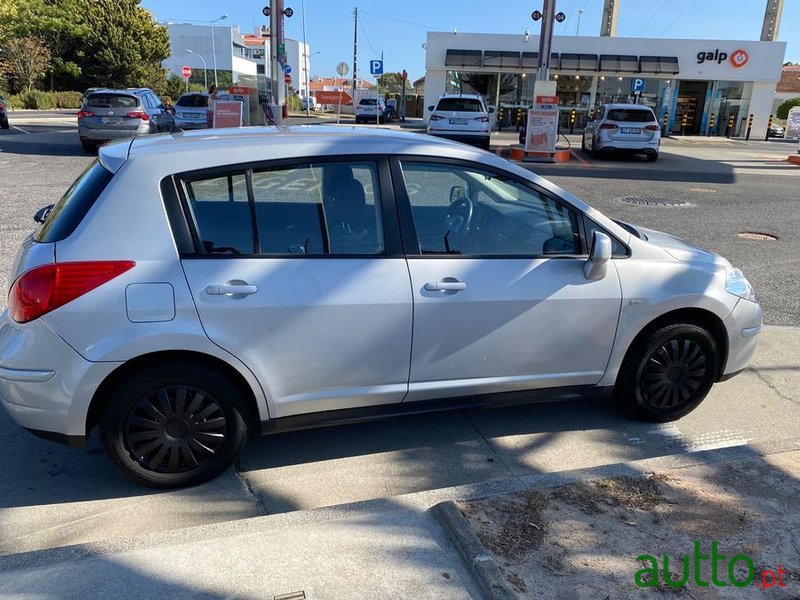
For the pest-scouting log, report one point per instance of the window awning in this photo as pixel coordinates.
(619, 63)
(578, 62)
(463, 58)
(659, 64)
(530, 60)
(502, 59)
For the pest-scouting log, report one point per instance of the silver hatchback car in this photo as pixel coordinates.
(190, 288)
(623, 128)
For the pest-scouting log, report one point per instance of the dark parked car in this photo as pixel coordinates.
(113, 114)
(3, 114)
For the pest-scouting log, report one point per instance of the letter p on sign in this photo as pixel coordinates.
(376, 67)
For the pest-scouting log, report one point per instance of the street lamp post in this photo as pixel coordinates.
(213, 46)
(205, 70)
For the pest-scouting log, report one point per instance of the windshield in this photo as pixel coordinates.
(461, 105)
(193, 101)
(112, 101)
(630, 115)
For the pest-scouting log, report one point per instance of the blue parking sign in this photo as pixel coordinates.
(638, 84)
(376, 67)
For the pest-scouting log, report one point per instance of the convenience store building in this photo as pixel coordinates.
(695, 78)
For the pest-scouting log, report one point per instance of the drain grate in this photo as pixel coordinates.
(653, 201)
(757, 236)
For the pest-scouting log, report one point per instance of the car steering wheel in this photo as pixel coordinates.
(459, 216)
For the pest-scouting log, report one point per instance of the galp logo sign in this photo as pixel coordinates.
(739, 58)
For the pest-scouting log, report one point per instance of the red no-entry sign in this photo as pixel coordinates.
(186, 71)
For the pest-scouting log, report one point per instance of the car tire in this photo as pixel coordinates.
(594, 152)
(652, 156)
(583, 144)
(668, 373)
(174, 425)
(5, 124)
(89, 147)
(487, 144)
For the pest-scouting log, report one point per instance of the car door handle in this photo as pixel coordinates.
(231, 290)
(445, 286)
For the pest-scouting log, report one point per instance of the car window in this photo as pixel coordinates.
(461, 105)
(470, 212)
(221, 214)
(329, 208)
(67, 214)
(193, 101)
(618, 249)
(368, 102)
(630, 115)
(112, 101)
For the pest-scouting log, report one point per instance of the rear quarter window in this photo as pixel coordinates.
(73, 206)
(628, 115)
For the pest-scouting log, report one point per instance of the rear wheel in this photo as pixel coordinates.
(652, 156)
(594, 152)
(4, 123)
(668, 374)
(173, 426)
(89, 147)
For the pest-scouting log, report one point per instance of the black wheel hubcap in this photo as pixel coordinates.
(175, 429)
(673, 373)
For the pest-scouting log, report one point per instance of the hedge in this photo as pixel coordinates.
(39, 100)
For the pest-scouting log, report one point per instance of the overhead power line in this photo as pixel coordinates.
(688, 8)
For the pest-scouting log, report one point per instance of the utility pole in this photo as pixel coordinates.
(608, 26)
(355, 56)
(772, 20)
(546, 40)
(305, 59)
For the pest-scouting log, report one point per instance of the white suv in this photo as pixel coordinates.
(371, 110)
(623, 128)
(461, 117)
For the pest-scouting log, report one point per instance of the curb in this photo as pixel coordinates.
(483, 567)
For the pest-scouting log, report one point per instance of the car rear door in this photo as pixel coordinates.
(298, 271)
(501, 302)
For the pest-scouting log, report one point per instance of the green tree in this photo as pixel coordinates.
(25, 61)
(125, 47)
(392, 83)
(786, 106)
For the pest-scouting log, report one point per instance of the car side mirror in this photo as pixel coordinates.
(42, 214)
(596, 266)
(431, 107)
(457, 192)
(491, 109)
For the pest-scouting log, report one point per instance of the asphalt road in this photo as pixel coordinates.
(53, 496)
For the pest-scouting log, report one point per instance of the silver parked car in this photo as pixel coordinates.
(623, 128)
(191, 110)
(112, 114)
(190, 288)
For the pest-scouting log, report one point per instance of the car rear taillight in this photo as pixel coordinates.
(43, 289)
(652, 127)
(139, 115)
(482, 119)
(609, 126)
(436, 118)
(85, 113)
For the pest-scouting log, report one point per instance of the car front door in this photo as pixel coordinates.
(298, 272)
(501, 302)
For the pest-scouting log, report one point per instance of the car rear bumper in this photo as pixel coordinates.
(44, 384)
(744, 324)
(86, 133)
(466, 137)
(628, 146)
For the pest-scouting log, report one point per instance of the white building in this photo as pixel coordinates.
(245, 56)
(695, 78)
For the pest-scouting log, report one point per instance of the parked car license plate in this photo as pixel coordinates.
(458, 121)
(631, 130)
(192, 115)
(110, 120)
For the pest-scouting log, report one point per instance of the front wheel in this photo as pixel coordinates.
(4, 123)
(668, 374)
(174, 425)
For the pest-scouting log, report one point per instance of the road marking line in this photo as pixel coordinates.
(19, 129)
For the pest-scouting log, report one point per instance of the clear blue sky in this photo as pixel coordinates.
(399, 28)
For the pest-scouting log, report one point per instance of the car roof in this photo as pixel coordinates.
(105, 91)
(461, 96)
(193, 94)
